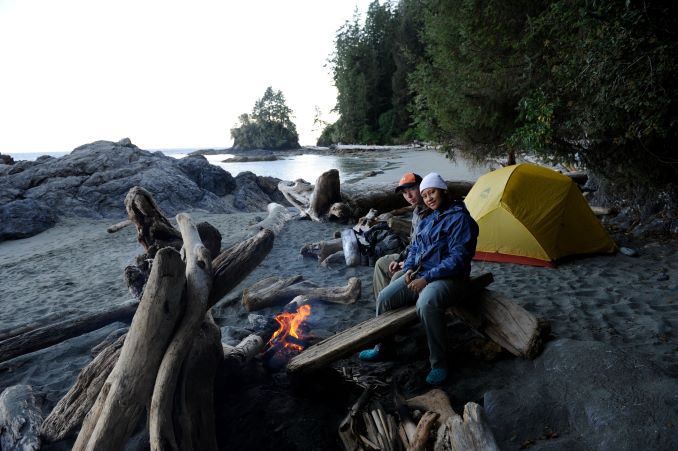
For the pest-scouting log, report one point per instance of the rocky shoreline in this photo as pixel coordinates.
(92, 181)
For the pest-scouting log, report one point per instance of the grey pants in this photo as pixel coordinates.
(382, 277)
(431, 304)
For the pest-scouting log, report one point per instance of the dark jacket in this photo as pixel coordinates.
(444, 245)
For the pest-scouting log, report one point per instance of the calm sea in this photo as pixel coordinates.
(310, 166)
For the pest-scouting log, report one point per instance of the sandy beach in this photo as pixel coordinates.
(607, 379)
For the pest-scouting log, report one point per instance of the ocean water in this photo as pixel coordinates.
(351, 168)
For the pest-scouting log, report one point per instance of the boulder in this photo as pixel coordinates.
(248, 195)
(6, 159)
(25, 217)
(207, 176)
(20, 419)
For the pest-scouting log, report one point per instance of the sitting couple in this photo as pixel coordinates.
(434, 273)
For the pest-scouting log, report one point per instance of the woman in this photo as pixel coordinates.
(437, 272)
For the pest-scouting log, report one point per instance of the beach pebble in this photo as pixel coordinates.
(630, 252)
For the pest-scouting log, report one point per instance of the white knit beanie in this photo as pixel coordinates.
(432, 180)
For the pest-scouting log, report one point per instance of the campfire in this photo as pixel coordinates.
(289, 338)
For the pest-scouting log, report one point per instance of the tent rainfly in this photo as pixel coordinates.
(533, 215)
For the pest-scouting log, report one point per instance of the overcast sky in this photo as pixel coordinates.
(165, 73)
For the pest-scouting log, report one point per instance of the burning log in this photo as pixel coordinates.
(277, 291)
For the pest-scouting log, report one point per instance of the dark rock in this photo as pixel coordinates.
(207, 176)
(248, 195)
(269, 185)
(246, 159)
(20, 418)
(25, 217)
(6, 159)
(210, 237)
(92, 182)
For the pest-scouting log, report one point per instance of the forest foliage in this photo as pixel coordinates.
(575, 81)
(269, 126)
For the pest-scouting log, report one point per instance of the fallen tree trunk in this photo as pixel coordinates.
(128, 388)
(361, 335)
(70, 411)
(234, 264)
(49, 335)
(276, 291)
(316, 201)
(47, 320)
(244, 351)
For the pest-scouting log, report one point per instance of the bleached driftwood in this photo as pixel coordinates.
(128, 388)
(321, 249)
(48, 335)
(278, 215)
(69, 412)
(277, 291)
(196, 299)
(119, 226)
(348, 428)
(244, 351)
(468, 433)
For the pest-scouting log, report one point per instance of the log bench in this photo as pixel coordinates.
(491, 314)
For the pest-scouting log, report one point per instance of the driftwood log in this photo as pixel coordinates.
(35, 339)
(196, 301)
(124, 395)
(319, 202)
(457, 433)
(169, 357)
(321, 249)
(280, 291)
(42, 322)
(70, 411)
(510, 325)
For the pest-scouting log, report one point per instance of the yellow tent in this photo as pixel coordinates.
(533, 215)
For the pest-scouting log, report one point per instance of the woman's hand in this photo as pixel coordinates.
(395, 266)
(417, 285)
(408, 276)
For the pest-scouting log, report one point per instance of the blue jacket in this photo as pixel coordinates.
(444, 245)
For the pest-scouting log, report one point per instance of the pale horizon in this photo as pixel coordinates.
(165, 74)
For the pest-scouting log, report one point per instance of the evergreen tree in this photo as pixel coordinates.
(269, 126)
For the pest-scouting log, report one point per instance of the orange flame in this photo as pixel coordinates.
(289, 324)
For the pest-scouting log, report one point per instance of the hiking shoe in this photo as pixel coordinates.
(375, 354)
(436, 376)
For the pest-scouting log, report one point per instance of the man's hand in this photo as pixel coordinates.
(395, 266)
(417, 285)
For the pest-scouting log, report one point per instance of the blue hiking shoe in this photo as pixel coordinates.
(375, 354)
(436, 376)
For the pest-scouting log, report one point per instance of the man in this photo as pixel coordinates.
(389, 266)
